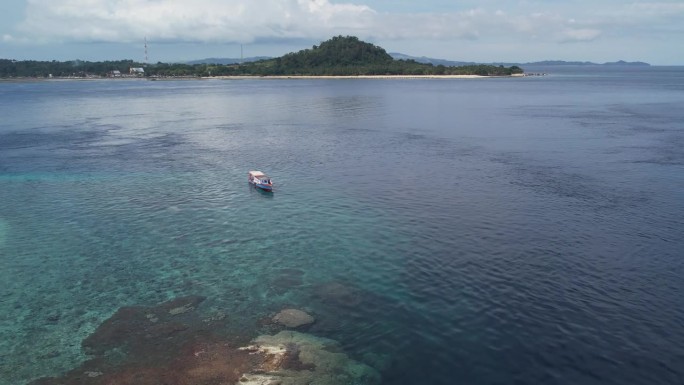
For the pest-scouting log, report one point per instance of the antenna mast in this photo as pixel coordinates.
(145, 50)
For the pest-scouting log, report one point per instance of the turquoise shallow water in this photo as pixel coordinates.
(475, 231)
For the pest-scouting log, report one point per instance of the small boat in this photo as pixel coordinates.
(260, 180)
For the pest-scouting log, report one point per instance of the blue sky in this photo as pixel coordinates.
(482, 31)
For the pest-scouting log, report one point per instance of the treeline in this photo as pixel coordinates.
(83, 69)
(398, 67)
(341, 56)
(76, 68)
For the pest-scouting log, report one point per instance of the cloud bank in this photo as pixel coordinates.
(246, 21)
(190, 21)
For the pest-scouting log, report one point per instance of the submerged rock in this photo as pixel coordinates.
(317, 360)
(134, 329)
(169, 343)
(160, 345)
(181, 309)
(293, 318)
(259, 379)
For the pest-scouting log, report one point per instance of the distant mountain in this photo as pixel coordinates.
(624, 63)
(561, 63)
(433, 61)
(586, 63)
(226, 61)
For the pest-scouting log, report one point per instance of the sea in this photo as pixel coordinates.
(443, 231)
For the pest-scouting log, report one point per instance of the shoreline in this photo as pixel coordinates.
(264, 77)
(238, 77)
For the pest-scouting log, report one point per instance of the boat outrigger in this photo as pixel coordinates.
(260, 180)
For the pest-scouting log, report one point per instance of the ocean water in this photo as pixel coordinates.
(461, 231)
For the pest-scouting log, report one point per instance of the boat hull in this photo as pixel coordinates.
(264, 187)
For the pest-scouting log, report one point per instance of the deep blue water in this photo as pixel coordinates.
(465, 231)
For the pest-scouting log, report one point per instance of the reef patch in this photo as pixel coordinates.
(293, 318)
(173, 343)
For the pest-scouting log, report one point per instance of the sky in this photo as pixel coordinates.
(481, 31)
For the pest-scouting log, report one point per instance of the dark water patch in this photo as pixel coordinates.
(664, 152)
(578, 187)
(52, 139)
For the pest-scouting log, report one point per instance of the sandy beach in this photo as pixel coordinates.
(363, 77)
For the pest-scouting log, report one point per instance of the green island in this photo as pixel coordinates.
(339, 56)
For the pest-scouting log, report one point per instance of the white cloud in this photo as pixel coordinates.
(12, 39)
(466, 25)
(182, 20)
(580, 34)
(272, 20)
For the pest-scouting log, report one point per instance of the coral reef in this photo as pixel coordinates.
(320, 361)
(293, 318)
(133, 329)
(173, 343)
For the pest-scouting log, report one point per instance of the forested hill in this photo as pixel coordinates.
(347, 55)
(338, 52)
(341, 55)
